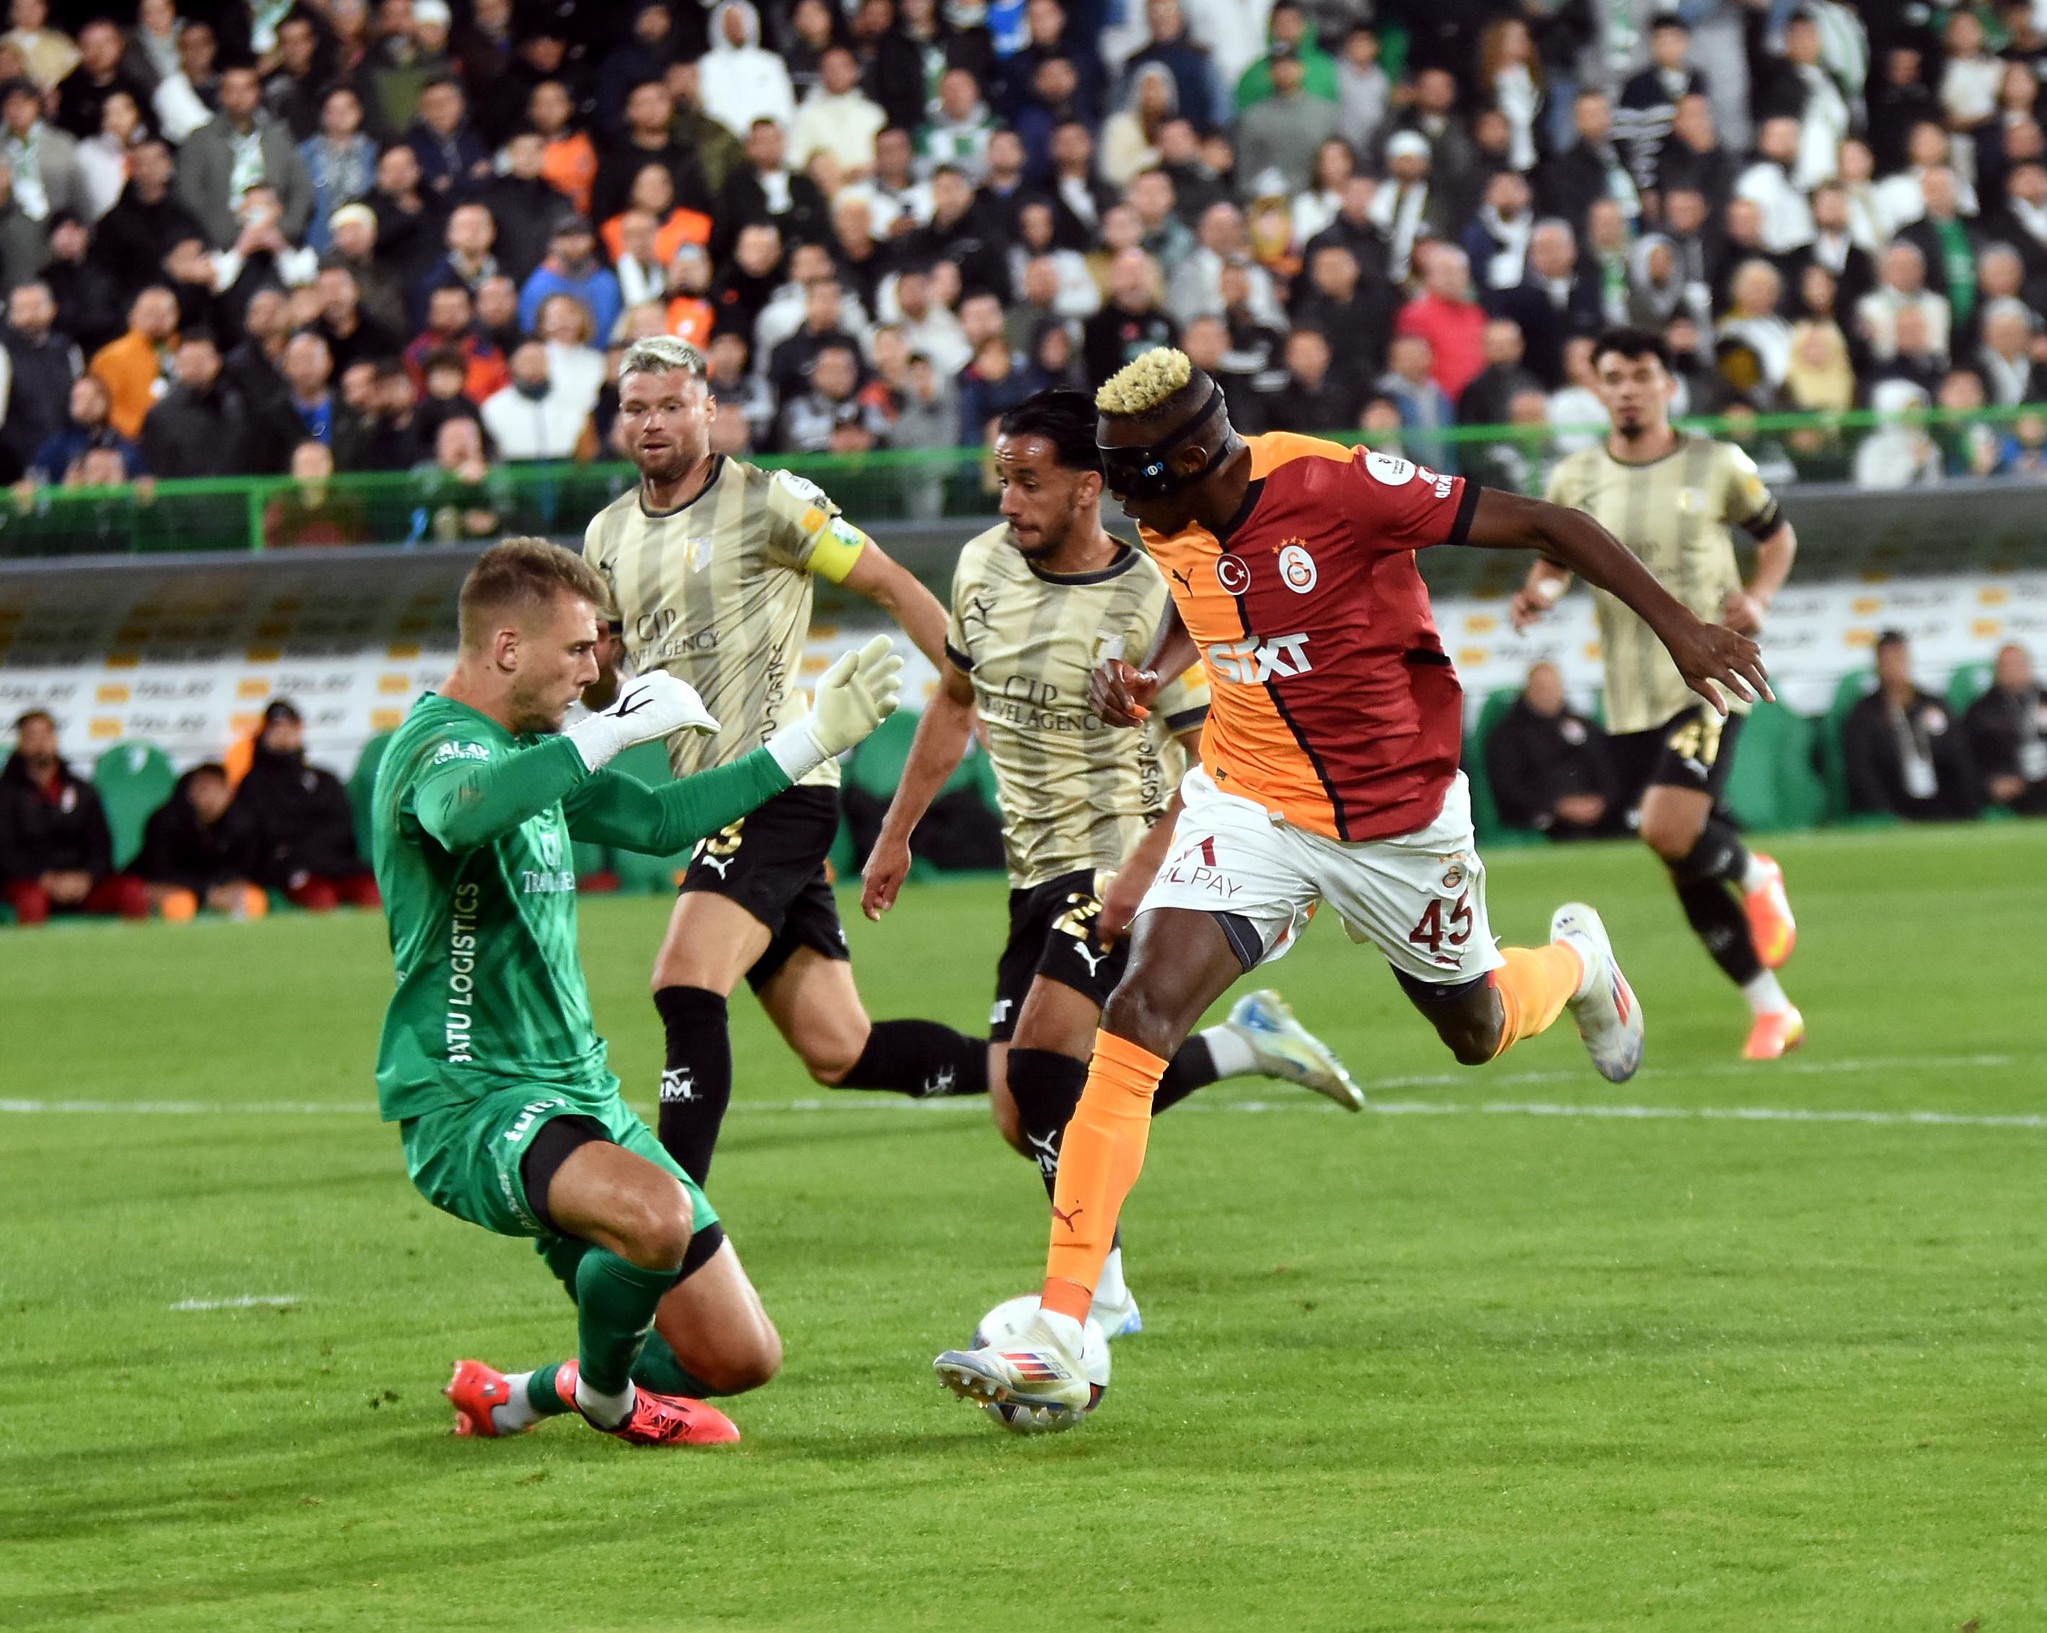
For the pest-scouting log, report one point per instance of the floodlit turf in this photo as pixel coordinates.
(1481, 1367)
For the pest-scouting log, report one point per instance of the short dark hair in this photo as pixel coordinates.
(1890, 637)
(1065, 419)
(1632, 345)
(27, 715)
(522, 574)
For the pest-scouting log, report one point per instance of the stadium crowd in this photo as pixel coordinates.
(325, 235)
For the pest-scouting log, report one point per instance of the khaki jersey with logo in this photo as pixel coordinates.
(1076, 794)
(718, 593)
(1674, 513)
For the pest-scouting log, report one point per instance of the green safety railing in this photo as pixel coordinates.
(892, 486)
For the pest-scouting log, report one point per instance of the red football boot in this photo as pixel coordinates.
(656, 1420)
(474, 1389)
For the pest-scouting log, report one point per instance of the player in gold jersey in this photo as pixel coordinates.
(1671, 497)
(709, 561)
(1087, 809)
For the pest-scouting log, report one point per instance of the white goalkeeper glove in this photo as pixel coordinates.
(854, 696)
(647, 707)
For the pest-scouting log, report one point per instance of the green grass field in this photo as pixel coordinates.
(1478, 1360)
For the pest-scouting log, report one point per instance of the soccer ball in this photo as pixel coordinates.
(1000, 1326)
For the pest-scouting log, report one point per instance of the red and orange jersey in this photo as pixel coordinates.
(1334, 705)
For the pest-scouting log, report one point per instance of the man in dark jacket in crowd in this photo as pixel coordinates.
(1903, 753)
(43, 363)
(1549, 767)
(304, 828)
(199, 427)
(199, 850)
(56, 851)
(2006, 730)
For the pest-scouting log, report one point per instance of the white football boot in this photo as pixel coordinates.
(1042, 1385)
(1609, 1017)
(1287, 1049)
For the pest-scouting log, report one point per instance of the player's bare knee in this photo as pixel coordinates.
(655, 1229)
(1131, 1014)
(1472, 1044)
(1003, 1113)
(828, 1063)
(1671, 840)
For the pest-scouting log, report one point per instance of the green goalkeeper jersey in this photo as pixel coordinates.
(472, 830)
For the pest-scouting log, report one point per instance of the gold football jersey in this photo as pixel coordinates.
(1674, 513)
(1075, 793)
(718, 593)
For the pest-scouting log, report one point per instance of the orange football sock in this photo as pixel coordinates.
(1099, 1160)
(1534, 985)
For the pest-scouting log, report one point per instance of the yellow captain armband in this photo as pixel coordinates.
(837, 547)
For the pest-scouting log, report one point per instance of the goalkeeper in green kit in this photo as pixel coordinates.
(489, 1063)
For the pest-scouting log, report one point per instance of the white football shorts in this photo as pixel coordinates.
(1419, 898)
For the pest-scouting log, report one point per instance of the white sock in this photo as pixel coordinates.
(1232, 1050)
(1065, 1329)
(516, 1413)
(606, 1411)
(1755, 875)
(1764, 996)
(1109, 1288)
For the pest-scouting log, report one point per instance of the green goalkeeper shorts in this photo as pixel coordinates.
(466, 1159)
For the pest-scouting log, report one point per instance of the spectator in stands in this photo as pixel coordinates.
(411, 221)
(991, 385)
(1188, 63)
(1284, 131)
(812, 417)
(1904, 756)
(1364, 94)
(1196, 289)
(100, 75)
(838, 118)
(2006, 733)
(574, 363)
(308, 370)
(42, 365)
(384, 301)
(569, 157)
(86, 429)
(1553, 302)
(2005, 359)
(185, 99)
(1486, 400)
(231, 153)
(1448, 318)
(741, 82)
(534, 417)
(42, 158)
(463, 497)
(200, 428)
(1316, 399)
(1405, 206)
(131, 240)
(304, 829)
(1425, 409)
(1901, 285)
(1335, 298)
(454, 159)
(468, 261)
(1753, 320)
(571, 268)
(523, 206)
(648, 139)
(1550, 767)
(310, 512)
(352, 335)
(1131, 321)
(88, 296)
(340, 161)
(1590, 168)
(135, 368)
(1899, 453)
(199, 850)
(292, 88)
(1497, 237)
(56, 851)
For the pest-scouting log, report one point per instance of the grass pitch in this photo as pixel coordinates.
(1483, 1359)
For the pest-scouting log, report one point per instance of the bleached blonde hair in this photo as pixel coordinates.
(660, 354)
(1145, 384)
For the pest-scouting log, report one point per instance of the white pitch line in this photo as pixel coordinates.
(247, 1301)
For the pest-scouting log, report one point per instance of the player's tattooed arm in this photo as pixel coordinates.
(1121, 694)
(1713, 659)
(943, 732)
(893, 588)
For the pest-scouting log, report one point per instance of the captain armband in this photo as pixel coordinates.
(837, 547)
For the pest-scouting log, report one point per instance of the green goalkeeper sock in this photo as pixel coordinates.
(615, 1305)
(659, 1370)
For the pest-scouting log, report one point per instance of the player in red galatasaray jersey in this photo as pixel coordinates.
(1329, 775)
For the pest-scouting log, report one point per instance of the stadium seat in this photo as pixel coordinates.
(132, 780)
(1833, 761)
(1773, 786)
(362, 785)
(1965, 685)
(1485, 813)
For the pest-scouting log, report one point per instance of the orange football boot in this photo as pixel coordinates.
(1772, 1035)
(1770, 924)
(656, 1420)
(475, 1389)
